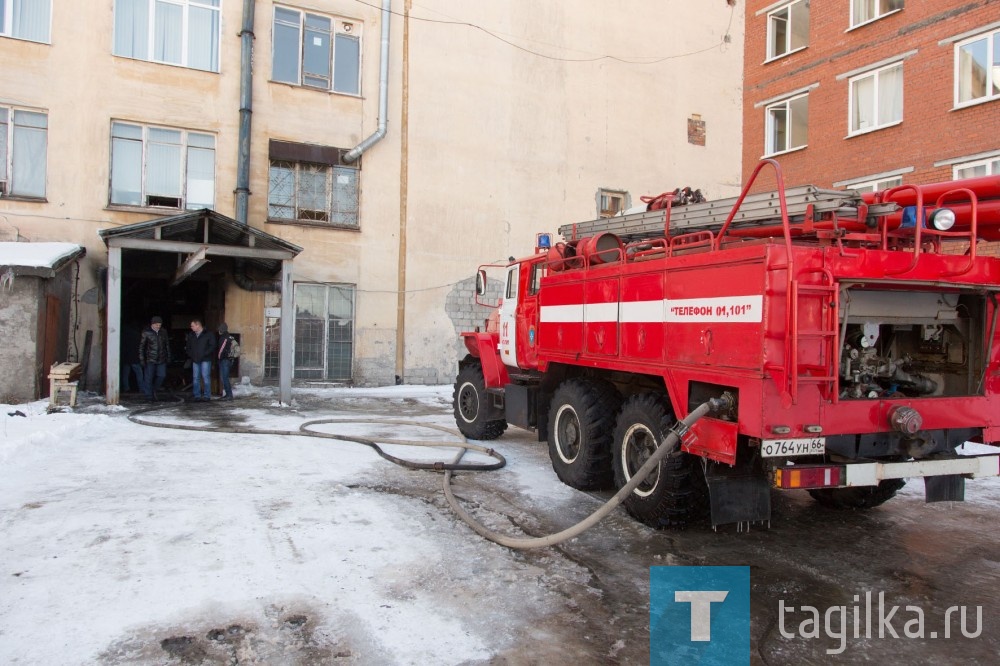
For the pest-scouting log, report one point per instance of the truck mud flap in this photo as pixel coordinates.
(949, 488)
(737, 496)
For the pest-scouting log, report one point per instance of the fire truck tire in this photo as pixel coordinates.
(470, 400)
(678, 495)
(862, 497)
(581, 419)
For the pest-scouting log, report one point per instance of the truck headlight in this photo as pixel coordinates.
(943, 219)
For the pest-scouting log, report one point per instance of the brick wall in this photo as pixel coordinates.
(931, 131)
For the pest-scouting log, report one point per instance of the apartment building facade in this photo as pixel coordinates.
(497, 121)
(869, 94)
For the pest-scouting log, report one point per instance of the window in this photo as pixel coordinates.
(977, 69)
(863, 11)
(26, 19)
(23, 147)
(611, 202)
(324, 331)
(161, 166)
(977, 169)
(788, 29)
(313, 193)
(876, 185)
(787, 125)
(317, 51)
(177, 32)
(877, 99)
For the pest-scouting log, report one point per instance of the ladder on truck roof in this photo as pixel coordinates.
(756, 210)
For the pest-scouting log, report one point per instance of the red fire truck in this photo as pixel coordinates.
(851, 339)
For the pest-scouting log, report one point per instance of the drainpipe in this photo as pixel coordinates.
(240, 276)
(383, 90)
(246, 103)
(404, 185)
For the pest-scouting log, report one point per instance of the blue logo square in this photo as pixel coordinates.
(699, 615)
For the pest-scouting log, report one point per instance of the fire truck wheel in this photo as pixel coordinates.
(673, 495)
(861, 497)
(470, 402)
(581, 418)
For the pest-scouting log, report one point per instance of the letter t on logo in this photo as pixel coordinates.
(701, 610)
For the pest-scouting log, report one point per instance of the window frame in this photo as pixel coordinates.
(183, 161)
(330, 176)
(185, 47)
(769, 37)
(876, 73)
(340, 25)
(878, 15)
(988, 162)
(10, 127)
(992, 38)
(769, 125)
(6, 25)
(876, 184)
(325, 346)
(621, 196)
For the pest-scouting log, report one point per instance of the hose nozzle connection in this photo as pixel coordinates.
(724, 405)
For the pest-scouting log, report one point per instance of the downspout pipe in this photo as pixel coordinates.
(240, 276)
(383, 91)
(246, 105)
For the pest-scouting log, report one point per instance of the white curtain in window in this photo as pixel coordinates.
(863, 113)
(30, 19)
(200, 178)
(28, 154)
(132, 28)
(890, 95)
(167, 33)
(203, 38)
(126, 172)
(864, 10)
(163, 163)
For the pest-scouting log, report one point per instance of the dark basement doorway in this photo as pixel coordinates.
(147, 292)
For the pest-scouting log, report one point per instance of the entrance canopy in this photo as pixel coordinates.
(197, 235)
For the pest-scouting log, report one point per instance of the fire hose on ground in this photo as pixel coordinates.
(670, 445)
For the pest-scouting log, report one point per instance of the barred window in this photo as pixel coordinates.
(313, 193)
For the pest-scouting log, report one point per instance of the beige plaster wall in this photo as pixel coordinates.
(501, 143)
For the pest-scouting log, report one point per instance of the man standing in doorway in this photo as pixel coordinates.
(154, 354)
(201, 351)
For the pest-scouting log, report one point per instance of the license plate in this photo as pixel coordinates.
(780, 448)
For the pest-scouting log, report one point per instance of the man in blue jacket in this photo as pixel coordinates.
(200, 350)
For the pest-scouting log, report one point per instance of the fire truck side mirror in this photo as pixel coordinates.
(481, 283)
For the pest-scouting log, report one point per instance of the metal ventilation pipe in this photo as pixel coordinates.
(383, 90)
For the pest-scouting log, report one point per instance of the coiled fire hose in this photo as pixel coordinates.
(669, 445)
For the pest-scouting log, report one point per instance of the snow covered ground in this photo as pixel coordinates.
(127, 544)
(123, 543)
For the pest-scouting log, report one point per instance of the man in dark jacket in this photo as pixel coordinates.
(154, 354)
(201, 350)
